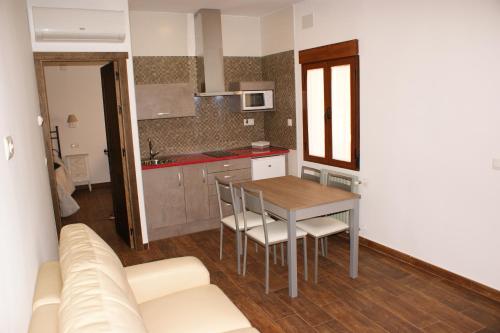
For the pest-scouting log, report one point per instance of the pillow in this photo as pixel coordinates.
(81, 248)
(91, 302)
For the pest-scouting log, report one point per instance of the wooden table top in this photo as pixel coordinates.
(293, 193)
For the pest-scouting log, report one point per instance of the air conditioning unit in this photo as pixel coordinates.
(78, 25)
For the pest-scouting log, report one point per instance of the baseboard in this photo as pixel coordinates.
(430, 268)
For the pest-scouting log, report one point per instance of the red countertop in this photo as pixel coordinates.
(199, 158)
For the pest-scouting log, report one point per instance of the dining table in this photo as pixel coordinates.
(293, 199)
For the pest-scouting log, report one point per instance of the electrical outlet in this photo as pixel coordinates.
(9, 147)
(248, 122)
(496, 164)
(75, 146)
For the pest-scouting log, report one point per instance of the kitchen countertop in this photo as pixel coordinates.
(199, 158)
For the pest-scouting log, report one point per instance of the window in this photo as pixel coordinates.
(330, 103)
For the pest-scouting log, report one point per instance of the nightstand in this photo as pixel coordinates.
(78, 167)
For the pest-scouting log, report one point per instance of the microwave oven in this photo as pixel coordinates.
(257, 100)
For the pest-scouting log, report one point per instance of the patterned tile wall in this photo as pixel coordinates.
(215, 126)
(279, 68)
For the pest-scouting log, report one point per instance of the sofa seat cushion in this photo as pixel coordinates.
(45, 318)
(204, 309)
(92, 302)
(48, 285)
(81, 249)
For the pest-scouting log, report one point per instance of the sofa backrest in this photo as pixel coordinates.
(96, 296)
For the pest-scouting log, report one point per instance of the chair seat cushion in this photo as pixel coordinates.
(322, 226)
(253, 220)
(276, 232)
(198, 310)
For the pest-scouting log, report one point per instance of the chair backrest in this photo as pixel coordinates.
(225, 195)
(253, 201)
(312, 174)
(339, 180)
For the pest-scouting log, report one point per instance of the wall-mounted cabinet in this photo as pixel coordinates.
(165, 100)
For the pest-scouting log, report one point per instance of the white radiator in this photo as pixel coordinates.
(352, 183)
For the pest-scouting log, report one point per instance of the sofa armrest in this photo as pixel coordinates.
(48, 285)
(159, 278)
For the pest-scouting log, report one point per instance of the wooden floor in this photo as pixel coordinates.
(388, 296)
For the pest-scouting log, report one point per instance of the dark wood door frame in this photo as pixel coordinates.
(43, 59)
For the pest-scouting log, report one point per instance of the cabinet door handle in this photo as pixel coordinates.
(163, 114)
(269, 166)
(228, 176)
(226, 165)
(204, 175)
(179, 176)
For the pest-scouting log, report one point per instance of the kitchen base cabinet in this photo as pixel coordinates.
(268, 167)
(164, 198)
(196, 192)
(183, 200)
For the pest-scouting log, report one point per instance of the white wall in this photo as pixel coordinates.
(77, 90)
(241, 36)
(159, 33)
(28, 235)
(172, 34)
(429, 124)
(101, 47)
(277, 31)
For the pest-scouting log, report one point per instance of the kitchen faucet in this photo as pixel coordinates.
(152, 154)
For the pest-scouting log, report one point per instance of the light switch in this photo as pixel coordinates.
(39, 120)
(8, 143)
(496, 163)
(290, 122)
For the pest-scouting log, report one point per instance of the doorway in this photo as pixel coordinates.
(119, 146)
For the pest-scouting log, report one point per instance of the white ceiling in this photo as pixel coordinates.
(228, 7)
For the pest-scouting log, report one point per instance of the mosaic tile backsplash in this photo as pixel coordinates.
(279, 67)
(215, 126)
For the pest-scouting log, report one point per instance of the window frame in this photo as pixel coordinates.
(327, 57)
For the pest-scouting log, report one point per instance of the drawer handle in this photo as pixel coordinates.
(163, 114)
(226, 177)
(269, 166)
(227, 165)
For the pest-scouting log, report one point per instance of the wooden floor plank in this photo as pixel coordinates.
(352, 318)
(407, 310)
(294, 324)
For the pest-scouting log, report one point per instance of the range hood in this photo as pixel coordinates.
(210, 59)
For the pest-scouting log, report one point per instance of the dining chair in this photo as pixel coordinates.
(312, 174)
(267, 234)
(321, 227)
(227, 196)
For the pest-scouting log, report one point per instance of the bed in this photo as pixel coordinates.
(65, 188)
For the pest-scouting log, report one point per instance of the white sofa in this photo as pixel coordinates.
(89, 291)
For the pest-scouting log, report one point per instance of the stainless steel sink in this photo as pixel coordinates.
(157, 161)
